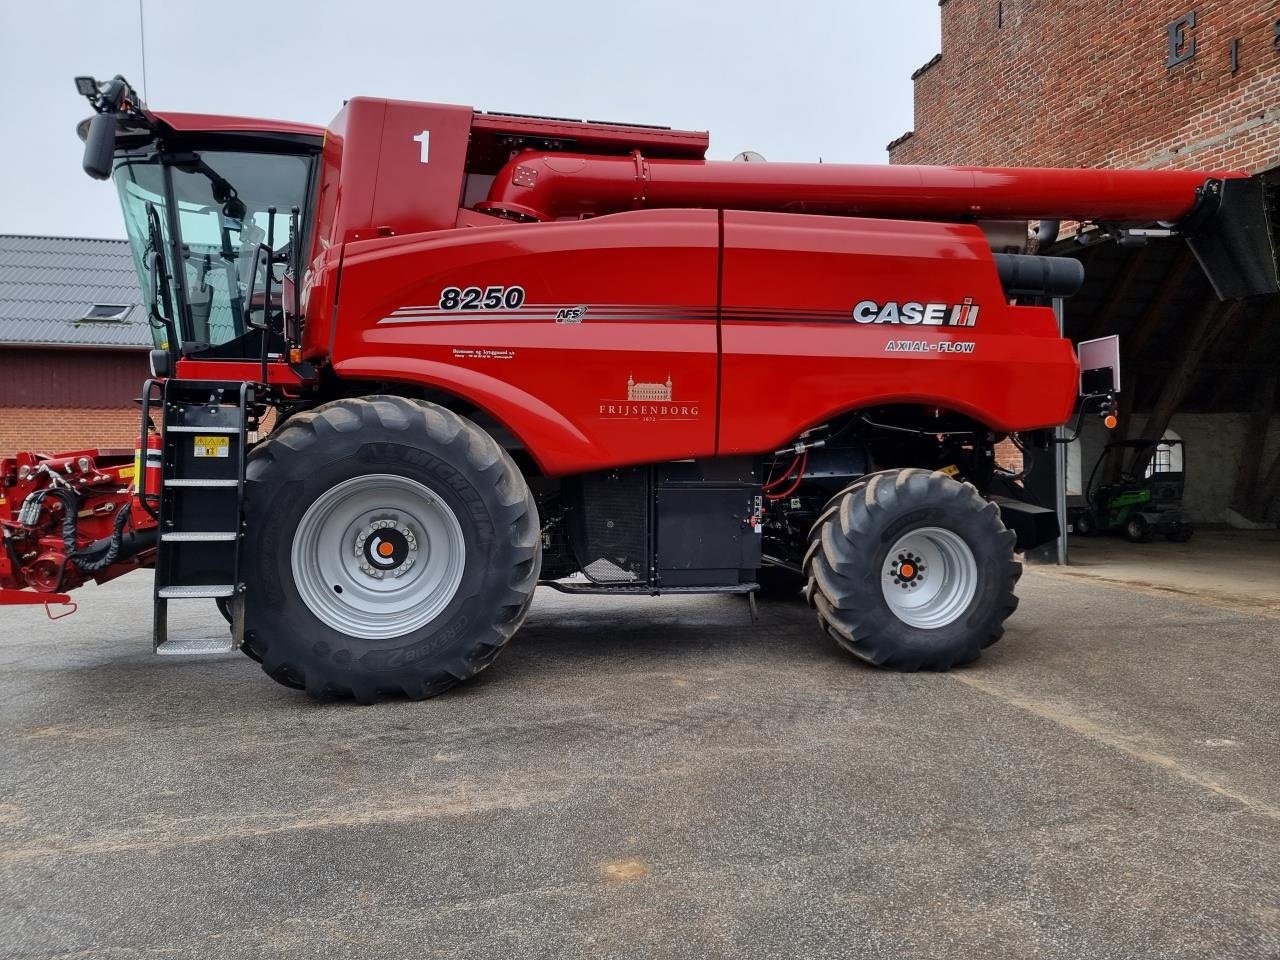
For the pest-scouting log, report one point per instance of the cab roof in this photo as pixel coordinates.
(216, 123)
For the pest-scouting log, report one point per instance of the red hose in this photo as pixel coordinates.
(804, 462)
(771, 483)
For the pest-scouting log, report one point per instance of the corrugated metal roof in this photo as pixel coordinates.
(48, 283)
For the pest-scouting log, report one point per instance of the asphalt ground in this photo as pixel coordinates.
(654, 778)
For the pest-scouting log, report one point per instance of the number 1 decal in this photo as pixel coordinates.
(424, 139)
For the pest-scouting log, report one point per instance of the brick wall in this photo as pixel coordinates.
(1043, 83)
(63, 429)
(56, 400)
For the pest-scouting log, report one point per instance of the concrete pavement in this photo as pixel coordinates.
(654, 778)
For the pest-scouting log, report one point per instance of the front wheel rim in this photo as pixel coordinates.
(929, 577)
(378, 556)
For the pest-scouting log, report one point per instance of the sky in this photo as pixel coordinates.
(791, 80)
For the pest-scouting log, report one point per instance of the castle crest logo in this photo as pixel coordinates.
(649, 403)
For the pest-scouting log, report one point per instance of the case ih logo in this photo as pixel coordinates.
(962, 314)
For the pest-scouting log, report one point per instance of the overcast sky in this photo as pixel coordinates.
(794, 81)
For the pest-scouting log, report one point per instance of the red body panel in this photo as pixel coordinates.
(374, 183)
(790, 283)
(649, 280)
(278, 374)
(655, 310)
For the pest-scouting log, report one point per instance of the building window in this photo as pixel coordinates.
(106, 313)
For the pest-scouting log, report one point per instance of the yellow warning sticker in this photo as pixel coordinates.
(213, 446)
(950, 469)
(128, 473)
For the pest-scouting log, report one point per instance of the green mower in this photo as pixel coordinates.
(1138, 507)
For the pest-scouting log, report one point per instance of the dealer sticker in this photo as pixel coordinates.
(213, 446)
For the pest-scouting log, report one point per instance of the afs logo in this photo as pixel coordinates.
(570, 314)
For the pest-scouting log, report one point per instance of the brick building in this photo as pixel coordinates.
(73, 344)
(1146, 84)
(1140, 83)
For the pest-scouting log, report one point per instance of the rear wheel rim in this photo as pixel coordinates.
(929, 577)
(378, 556)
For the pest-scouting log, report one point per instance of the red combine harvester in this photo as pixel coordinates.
(495, 351)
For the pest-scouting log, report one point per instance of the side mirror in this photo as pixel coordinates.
(110, 101)
(100, 145)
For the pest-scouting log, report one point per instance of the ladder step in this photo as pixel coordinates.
(196, 646)
(200, 536)
(197, 591)
(204, 429)
(201, 483)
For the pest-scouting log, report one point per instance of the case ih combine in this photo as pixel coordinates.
(505, 350)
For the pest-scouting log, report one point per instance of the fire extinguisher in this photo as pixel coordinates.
(146, 471)
(155, 460)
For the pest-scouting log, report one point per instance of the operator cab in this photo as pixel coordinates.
(217, 213)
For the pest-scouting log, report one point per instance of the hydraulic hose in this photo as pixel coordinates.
(101, 553)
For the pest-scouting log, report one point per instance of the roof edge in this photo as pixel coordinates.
(900, 141)
(52, 236)
(919, 73)
(114, 347)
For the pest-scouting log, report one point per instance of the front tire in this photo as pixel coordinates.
(393, 550)
(1137, 530)
(912, 570)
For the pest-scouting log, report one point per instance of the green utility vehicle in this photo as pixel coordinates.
(1140, 507)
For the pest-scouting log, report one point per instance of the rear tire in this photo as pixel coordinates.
(393, 549)
(912, 570)
(1084, 525)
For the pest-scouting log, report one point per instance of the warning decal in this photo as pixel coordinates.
(212, 446)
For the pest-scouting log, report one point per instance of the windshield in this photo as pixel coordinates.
(222, 200)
